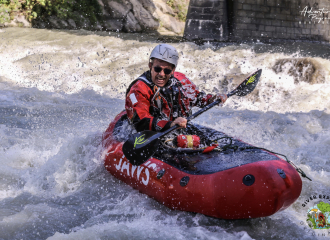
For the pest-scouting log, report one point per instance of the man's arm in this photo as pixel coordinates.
(138, 105)
(197, 98)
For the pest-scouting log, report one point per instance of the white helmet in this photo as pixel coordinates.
(166, 53)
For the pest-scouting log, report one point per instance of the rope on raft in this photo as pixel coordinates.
(235, 148)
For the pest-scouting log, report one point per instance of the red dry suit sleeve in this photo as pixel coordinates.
(137, 105)
(197, 98)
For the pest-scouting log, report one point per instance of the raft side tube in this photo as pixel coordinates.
(255, 189)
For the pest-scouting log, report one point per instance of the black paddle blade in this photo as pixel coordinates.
(139, 147)
(248, 85)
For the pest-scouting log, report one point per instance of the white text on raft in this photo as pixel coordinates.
(125, 165)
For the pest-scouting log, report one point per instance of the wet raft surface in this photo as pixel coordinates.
(215, 161)
(235, 152)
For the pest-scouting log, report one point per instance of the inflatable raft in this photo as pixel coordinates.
(234, 181)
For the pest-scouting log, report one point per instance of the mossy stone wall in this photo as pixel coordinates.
(266, 20)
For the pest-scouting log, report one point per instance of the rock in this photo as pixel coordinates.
(64, 24)
(102, 6)
(22, 19)
(145, 19)
(131, 24)
(72, 24)
(97, 26)
(81, 21)
(18, 21)
(149, 5)
(40, 23)
(164, 7)
(113, 24)
(302, 69)
(117, 15)
(85, 24)
(118, 10)
(170, 22)
(11, 24)
(54, 21)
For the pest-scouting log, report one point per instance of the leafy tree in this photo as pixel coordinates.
(324, 208)
(63, 9)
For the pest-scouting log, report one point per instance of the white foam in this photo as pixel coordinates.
(52, 180)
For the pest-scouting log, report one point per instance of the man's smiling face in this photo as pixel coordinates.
(160, 78)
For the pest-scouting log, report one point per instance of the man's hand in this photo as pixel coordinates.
(182, 122)
(223, 98)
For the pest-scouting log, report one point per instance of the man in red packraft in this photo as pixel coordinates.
(161, 97)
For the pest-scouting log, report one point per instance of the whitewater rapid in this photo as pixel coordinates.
(59, 90)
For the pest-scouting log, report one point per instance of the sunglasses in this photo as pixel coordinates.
(159, 69)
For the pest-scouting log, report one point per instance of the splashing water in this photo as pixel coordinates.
(59, 90)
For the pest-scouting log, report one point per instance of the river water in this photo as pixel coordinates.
(59, 90)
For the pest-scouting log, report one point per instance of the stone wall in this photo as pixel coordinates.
(207, 19)
(279, 19)
(262, 20)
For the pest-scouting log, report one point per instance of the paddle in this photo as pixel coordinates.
(141, 146)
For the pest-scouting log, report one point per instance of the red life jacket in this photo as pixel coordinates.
(153, 108)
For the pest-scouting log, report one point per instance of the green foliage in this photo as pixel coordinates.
(182, 14)
(312, 220)
(4, 13)
(180, 8)
(7, 8)
(170, 3)
(324, 207)
(65, 9)
(42, 8)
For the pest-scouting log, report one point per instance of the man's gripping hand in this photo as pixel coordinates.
(223, 98)
(180, 121)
